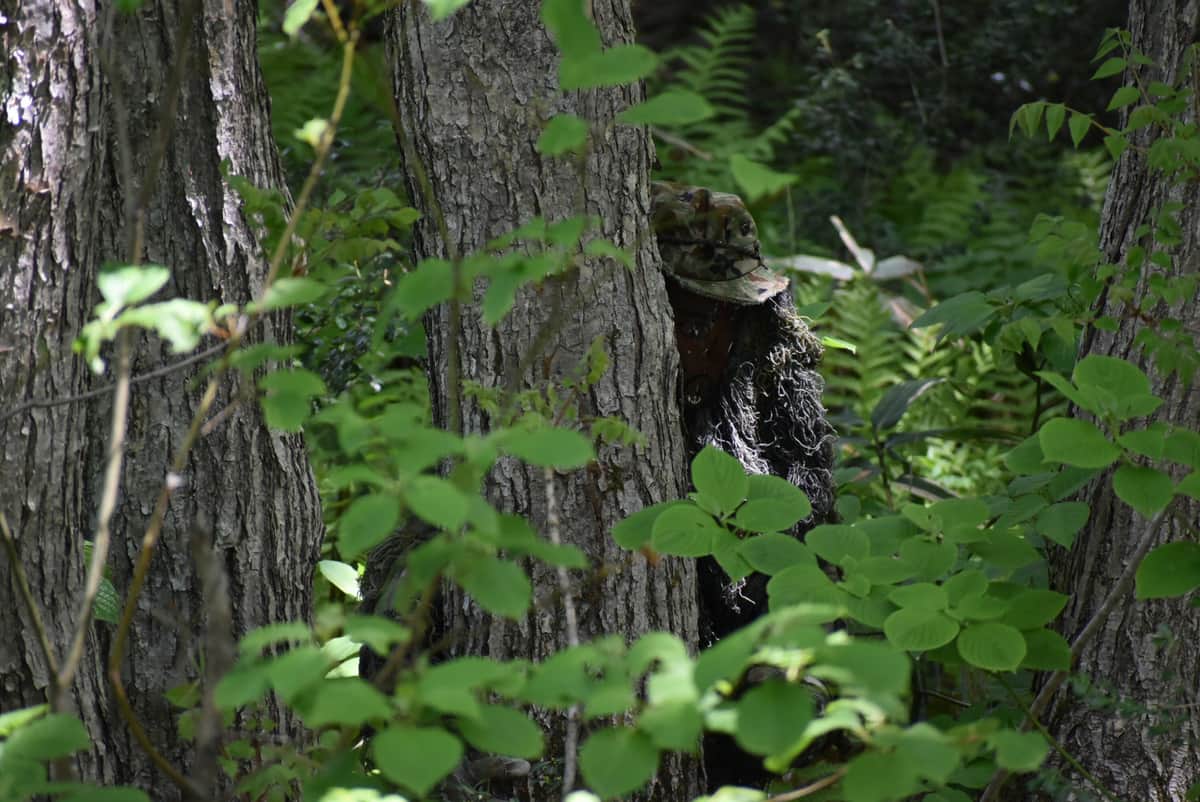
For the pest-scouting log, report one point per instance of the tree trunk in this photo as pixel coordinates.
(63, 213)
(473, 93)
(1147, 653)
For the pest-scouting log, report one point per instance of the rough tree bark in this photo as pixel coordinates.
(63, 198)
(1151, 752)
(473, 94)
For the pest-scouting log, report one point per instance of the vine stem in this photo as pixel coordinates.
(811, 788)
(10, 546)
(1089, 631)
(571, 623)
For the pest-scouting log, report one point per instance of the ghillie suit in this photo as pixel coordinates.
(750, 385)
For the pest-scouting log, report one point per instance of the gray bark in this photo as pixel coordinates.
(473, 93)
(1146, 655)
(63, 200)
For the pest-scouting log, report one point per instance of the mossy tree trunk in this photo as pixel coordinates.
(63, 213)
(474, 93)
(1145, 658)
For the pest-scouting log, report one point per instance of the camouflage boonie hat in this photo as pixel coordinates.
(709, 244)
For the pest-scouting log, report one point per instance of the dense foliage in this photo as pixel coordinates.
(910, 629)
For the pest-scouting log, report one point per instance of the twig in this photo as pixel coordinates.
(1089, 631)
(10, 546)
(941, 39)
(45, 403)
(811, 788)
(679, 142)
(553, 529)
(108, 504)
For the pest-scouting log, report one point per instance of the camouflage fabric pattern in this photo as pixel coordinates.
(709, 244)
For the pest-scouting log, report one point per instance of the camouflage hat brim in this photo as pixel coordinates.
(756, 285)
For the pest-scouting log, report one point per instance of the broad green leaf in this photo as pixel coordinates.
(440, 9)
(244, 684)
(1061, 522)
(1145, 489)
(1006, 550)
(348, 701)
(297, 15)
(616, 762)
(1046, 651)
(549, 447)
(1027, 457)
(1123, 97)
(835, 543)
(341, 576)
(685, 531)
(1172, 569)
(47, 738)
(503, 731)
(877, 776)
(992, 646)
(366, 522)
(564, 133)
(884, 570)
(1115, 144)
(500, 586)
(773, 505)
(758, 180)
(14, 720)
(437, 501)
(131, 284)
(720, 479)
(1183, 446)
(803, 584)
(868, 666)
(896, 401)
(1109, 68)
(1019, 751)
(1189, 485)
(971, 582)
(1033, 607)
(929, 559)
(774, 552)
(917, 630)
(960, 518)
(960, 315)
(289, 291)
(674, 725)
(674, 107)
(922, 595)
(288, 402)
(636, 530)
(180, 322)
(377, 632)
(297, 670)
(426, 286)
(615, 66)
(1076, 442)
(771, 717)
(416, 757)
(567, 21)
(254, 641)
(1079, 125)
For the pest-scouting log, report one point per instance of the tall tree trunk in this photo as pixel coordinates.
(1147, 652)
(473, 93)
(63, 194)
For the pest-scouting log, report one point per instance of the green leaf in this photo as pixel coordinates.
(1019, 751)
(500, 586)
(921, 595)
(1056, 113)
(685, 531)
(52, 736)
(879, 777)
(719, 479)
(297, 15)
(377, 632)
(963, 314)
(616, 762)
(108, 604)
(671, 108)
(416, 757)
(440, 9)
(835, 543)
(674, 725)
(366, 522)
(437, 501)
(570, 26)
(1109, 68)
(549, 447)
(420, 289)
(618, 65)
(1079, 125)
(917, 630)
(1046, 651)
(341, 576)
(992, 646)
(1145, 489)
(1061, 522)
(774, 552)
(930, 560)
(179, 321)
(14, 720)
(503, 731)
(1172, 569)
(773, 505)
(348, 701)
(1033, 607)
(289, 291)
(758, 180)
(131, 284)
(1116, 145)
(896, 401)
(636, 530)
(288, 402)
(246, 683)
(1183, 446)
(1123, 97)
(1076, 442)
(771, 717)
(564, 133)
(803, 584)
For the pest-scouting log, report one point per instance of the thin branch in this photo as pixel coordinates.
(1089, 631)
(46, 403)
(14, 559)
(681, 143)
(811, 788)
(553, 528)
(941, 38)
